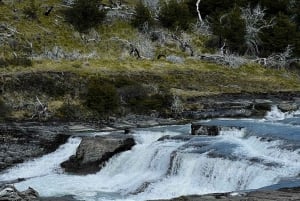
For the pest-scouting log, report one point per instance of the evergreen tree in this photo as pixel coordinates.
(142, 16)
(214, 8)
(175, 15)
(231, 29)
(282, 34)
(85, 14)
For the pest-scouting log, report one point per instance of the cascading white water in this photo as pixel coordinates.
(44, 165)
(155, 169)
(276, 114)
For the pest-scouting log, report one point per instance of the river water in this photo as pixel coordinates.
(248, 154)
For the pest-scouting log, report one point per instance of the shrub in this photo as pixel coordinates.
(102, 97)
(175, 15)
(140, 99)
(16, 61)
(31, 10)
(69, 111)
(84, 14)
(142, 16)
(3, 109)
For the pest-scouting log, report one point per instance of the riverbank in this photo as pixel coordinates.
(275, 195)
(25, 140)
(156, 88)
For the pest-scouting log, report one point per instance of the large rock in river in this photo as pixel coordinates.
(93, 152)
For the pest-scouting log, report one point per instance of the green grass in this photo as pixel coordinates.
(193, 78)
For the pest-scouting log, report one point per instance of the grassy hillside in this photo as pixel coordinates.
(111, 62)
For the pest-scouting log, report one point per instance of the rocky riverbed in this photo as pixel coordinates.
(10, 193)
(278, 195)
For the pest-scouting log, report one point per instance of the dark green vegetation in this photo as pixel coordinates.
(175, 15)
(84, 14)
(101, 97)
(142, 16)
(4, 110)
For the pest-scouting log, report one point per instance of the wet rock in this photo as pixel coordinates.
(93, 152)
(217, 113)
(287, 106)
(63, 198)
(199, 129)
(210, 130)
(176, 137)
(10, 193)
(23, 141)
(263, 104)
(279, 195)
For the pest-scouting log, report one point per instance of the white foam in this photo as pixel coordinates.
(276, 114)
(45, 165)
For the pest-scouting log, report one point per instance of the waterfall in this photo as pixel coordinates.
(44, 165)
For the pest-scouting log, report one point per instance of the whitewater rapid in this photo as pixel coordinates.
(262, 153)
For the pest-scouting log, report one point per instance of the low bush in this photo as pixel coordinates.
(4, 110)
(16, 61)
(84, 15)
(174, 14)
(69, 112)
(102, 97)
(142, 16)
(31, 10)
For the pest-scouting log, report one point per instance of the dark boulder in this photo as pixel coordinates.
(210, 130)
(200, 129)
(93, 152)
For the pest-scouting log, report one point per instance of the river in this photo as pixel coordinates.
(248, 154)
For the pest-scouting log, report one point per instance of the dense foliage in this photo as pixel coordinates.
(142, 16)
(227, 23)
(102, 97)
(3, 109)
(84, 15)
(174, 15)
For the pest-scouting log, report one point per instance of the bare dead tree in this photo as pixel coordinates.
(255, 23)
(41, 110)
(198, 11)
(133, 50)
(183, 44)
(280, 60)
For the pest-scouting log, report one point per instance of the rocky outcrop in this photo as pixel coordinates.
(241, 105)
(210, 130)
(93, 152)
(10, 193)
(279, 195)
(23, 141)
(198, 129)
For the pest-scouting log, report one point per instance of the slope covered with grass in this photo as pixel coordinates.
(64, 63)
